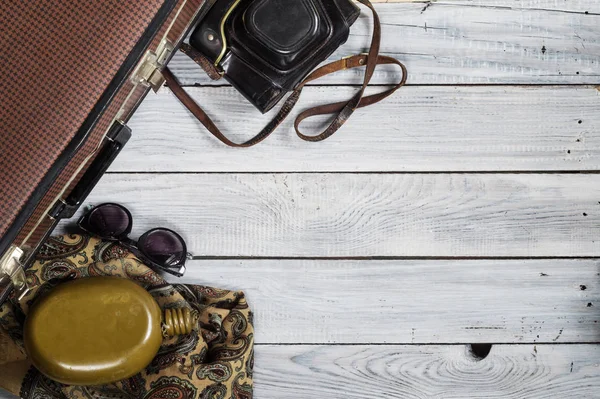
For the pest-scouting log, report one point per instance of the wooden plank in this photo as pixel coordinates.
(350, 215)
(417, 129)
(407, 302)
(454, 42)
(366, 372)
(569, 6)
(576, 6)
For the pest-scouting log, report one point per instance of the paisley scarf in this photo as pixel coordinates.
(215, 363)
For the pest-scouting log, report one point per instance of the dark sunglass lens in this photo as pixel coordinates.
(164, 247)
(108, 221)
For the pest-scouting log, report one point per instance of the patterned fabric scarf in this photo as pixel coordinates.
(219, 366)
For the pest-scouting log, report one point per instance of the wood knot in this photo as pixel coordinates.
(479, 351)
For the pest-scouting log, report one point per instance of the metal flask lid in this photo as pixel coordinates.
(99, 330)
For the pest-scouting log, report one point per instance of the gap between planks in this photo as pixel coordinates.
(392, 344)
(475, 172)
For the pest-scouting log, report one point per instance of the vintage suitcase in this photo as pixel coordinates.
(71, 75)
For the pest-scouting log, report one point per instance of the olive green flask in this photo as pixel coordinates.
(99, 330)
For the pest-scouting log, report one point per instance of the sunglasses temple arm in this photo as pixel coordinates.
(178, 273)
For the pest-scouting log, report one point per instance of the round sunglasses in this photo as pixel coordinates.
(159, 248)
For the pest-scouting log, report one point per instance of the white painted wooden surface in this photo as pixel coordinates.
(414, 301)
(567, 6)
(450, 42)
(421, 128)
(350, 215)
(401, 372)
(425, 371)
(373, 285)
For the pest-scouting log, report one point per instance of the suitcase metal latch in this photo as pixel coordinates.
(148, 72)
(11, 269)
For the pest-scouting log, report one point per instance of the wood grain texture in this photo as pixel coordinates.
(398, 328)
(406, 372)
(454, 42)
(341, 215)
(383, 372)
(568, 6)
(418, 129)
(407, 302)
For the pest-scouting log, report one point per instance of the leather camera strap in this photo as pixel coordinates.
(342, 110)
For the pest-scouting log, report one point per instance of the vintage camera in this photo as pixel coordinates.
(264, 48)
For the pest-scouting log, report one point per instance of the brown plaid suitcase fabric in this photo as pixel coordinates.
(70, 76)
(65, 55)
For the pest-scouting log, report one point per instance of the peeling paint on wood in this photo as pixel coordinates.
(466, 42)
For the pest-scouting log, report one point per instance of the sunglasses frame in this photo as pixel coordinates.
(134, 246)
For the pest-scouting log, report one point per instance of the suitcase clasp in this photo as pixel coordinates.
(148, 71)
(10, 268)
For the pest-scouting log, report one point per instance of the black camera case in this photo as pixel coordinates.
(264, 48)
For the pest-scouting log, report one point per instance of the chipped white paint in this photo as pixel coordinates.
(413, 301)
(454, 42)
(411, 372)
(441, 129)
(342, 215)
(425, 371)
